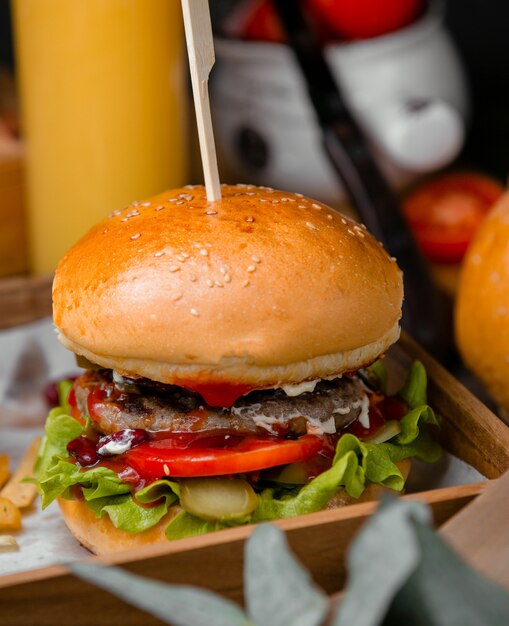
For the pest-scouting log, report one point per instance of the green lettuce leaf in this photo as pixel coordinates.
(186, 525)
(355, 464)
(59, 430)
(103, 491)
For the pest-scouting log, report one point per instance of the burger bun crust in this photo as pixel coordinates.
(261, 287)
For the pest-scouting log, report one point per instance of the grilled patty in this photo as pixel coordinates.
(331, 407)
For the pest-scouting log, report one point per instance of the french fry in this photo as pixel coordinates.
(8, 543)
(4, 469)
(10, 515)
(19, 493)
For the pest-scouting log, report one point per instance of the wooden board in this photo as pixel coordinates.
(24, 299)
(48, 596)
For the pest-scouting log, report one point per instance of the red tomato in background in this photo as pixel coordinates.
(445, 213)
(363, 19)
(263, 24)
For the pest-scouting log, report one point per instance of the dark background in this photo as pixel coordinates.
(479, 28)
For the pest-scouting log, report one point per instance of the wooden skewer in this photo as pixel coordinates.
(200, 49)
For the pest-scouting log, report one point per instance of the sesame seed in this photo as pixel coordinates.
(145, 203)
(160, 253)
(204, 252)
(227, 278)
(193, 278)
(173, 268)
(180, 202)
(181, 258)
(166, 470)
(177, 296)
(251, 268)
(114, 214)
(276, 201)
(124, 219)
(195, 312)
(189, 186)
(250, 193)
(256, 259)
(316, 206)
(172, 199)
(263, 200)
(136, 203)
(312, 226)
(360, 233)
(343, 221)
(211, 212)
(350, 231)
(217, 283)
(364, 227)
(299, 195)
(302, 206)
(246, 283)
(223, 270)
(329, 216)
(137, 236)
(250, 218)
(393, 258)
(210, 283)
(285, 199)
(159, 208)
(184, 254)
(133, 213)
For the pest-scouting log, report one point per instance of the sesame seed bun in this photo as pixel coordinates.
(262, 287)
(100, 536)
(482, 306)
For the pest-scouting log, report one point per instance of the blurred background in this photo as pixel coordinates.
(95, 111)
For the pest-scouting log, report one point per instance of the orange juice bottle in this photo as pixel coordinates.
(103, 107)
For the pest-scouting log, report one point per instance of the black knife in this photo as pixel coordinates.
(366, 187)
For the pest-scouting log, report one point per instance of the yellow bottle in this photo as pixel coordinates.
(103, 105)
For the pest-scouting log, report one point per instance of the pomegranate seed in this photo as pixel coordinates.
(51, 394)
(50, 391)
(83, 450)
(121, 441)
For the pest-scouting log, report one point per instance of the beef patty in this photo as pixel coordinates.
(153, 406)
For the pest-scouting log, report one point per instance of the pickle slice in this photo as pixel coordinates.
(389, 430)
(218, 499)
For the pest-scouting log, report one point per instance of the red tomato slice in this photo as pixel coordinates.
(188, 455)
(444, 214)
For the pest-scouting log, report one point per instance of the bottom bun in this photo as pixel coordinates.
(100, 536)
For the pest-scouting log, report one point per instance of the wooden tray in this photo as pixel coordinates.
(51, 595)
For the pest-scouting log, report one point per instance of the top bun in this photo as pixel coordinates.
(262, 287)
(482, 305)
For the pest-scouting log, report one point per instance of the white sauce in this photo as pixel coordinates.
(118, 446)
(296, 389)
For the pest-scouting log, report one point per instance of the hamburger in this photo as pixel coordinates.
(228, 349)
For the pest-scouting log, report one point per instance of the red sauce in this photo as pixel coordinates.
(218, 393)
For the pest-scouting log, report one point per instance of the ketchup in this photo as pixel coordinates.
(218, 393)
